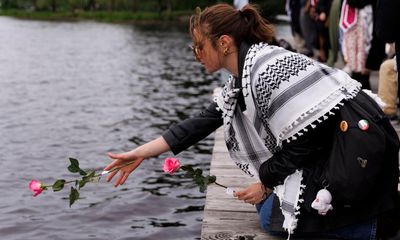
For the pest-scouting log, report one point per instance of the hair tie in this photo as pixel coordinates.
(242, 15)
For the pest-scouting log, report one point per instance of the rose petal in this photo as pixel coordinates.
(36, 187)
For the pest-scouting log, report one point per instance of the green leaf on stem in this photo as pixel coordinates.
(198, 179)
(82, 183)
(88, 178)
(89, 175)
(202, 188)
(211, 179)
(58, 185)
(74, 167)
(73, 196)
(81, 172)
(187, 168)
(205, 181)
(189, 175)
(198, 172)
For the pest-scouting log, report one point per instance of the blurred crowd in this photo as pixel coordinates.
(355, 30)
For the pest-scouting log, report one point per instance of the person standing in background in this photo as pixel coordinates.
(294, 9)
(334, 15)
(387, 88)
(388, 25)
(362, 50)
(321, 19)
(308, 27)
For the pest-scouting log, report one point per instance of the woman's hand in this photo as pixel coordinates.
(119, 160)
(137, 155)
(253, 194)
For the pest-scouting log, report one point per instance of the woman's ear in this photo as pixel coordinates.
(226, 41)
(226, 44)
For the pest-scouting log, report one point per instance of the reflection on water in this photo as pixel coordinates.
(80, 90)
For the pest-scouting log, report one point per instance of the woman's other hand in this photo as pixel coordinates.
(253, 194)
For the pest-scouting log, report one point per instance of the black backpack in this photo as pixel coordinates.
(357, 159)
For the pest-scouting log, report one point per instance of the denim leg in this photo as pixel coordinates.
(264, 210)
(360, 231)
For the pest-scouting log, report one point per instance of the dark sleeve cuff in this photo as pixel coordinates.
(173, 141)
(268, 175)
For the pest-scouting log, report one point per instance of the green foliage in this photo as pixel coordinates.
(42, 5)
(198, 178)
(73, 196)
(74, 167)
(79, 184)
(87, 177)
(75, 4)
(58, 185)
(142, 10)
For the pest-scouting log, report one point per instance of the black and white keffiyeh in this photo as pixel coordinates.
(285, 95)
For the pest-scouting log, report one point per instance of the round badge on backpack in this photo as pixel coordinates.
(363, 124)
(344, 126)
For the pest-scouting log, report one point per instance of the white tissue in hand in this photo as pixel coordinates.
(229, 191)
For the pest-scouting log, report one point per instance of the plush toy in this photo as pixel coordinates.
(322, 202)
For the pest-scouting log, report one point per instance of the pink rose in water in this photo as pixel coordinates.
(85, 177)
(36, 187)
(171, 165)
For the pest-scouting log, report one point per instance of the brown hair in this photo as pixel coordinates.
(242, 25)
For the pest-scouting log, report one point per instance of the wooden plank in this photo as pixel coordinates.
(228, 225)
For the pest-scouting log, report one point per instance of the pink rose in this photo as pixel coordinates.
(35, 187)
(171, 165)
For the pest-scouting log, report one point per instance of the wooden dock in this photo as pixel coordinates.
(226, 217)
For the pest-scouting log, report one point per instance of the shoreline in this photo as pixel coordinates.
(101, 16)
(126, 17)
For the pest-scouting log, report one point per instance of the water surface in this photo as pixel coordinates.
(80, 90)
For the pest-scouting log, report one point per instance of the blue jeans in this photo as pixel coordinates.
(361, 231)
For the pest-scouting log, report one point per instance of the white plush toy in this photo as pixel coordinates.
(322, 202)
